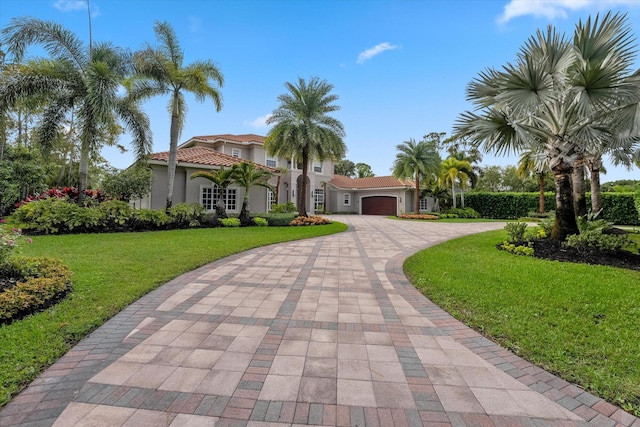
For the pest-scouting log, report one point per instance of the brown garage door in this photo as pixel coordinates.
(379, 205)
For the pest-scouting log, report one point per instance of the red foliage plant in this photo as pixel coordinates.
(67, 193)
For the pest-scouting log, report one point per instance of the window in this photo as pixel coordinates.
(236, 152)
(271, 162)
(318, 202)
(424, 204)
(206, 198)
(209, 197)
(317, 167)
(347, 199)
(271, 199)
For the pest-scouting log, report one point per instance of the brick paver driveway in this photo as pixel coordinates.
(324, 331)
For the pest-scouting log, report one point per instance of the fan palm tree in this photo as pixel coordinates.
(160, 71)
(533, 162)
(303, 130)
(565, 96)
(246, 175)
(416, 160)
(75, 79)
(454, 172)
(221, 178)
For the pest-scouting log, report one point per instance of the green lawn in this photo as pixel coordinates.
(579, 321)
(110, 272)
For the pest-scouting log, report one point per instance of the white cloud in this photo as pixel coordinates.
(373, 51)
(72, 5)
(553, 9)
(259, 122)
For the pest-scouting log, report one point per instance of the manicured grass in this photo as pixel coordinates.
(110, 272)
(579, 321)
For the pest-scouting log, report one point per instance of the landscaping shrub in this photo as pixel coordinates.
(462, 212)
(596, 239)
(69, 194)
(311, 220)
(210, 220)
(186, 214)
(284, 208)
(260, 222)
(418, 216)
(515, 231)
(230, 222)
(148, 219)
(49, 215)
(116, 213)
(278, 219)
(40, 281)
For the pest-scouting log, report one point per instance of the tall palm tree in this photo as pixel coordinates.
(456, 172)
(221, 178)
(564, 95)
(416, 160)
(160, 71)
(304, 130)
(75, 79)
(247, 175)
(533, 162)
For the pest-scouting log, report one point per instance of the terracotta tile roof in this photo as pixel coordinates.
(341, 181)
(204, 156)
(246, 138)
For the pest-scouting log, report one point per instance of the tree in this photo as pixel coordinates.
(304, 130)
(132, 183)
(345, 167)
(21, 173)
(416, 160)
(490, 179)
(221, 178)
(454, 172)
(363, 170)
(75, 79)
(563, 96)
(160, 71)
(247, 175)
(532, 163)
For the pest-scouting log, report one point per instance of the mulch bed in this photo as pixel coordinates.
(554, 250)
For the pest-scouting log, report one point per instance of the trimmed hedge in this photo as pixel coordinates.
(618, 208)
(41, 281)
(277, 219)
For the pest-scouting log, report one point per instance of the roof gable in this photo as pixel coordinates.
(245, 139)
(204, 156)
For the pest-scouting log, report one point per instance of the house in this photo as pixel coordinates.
(326, 192)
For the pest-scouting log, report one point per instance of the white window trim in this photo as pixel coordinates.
(213, 202)
(346, 199)
(313, 165)
(274, 159)
(237, 151)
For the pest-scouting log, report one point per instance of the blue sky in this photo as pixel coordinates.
(399, 67)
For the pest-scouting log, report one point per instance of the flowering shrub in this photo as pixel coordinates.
(10, 240)
(69, 194)
(418, 216)
(311, 220)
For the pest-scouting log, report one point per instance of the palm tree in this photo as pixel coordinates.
(75, 80)
(247, 175)
(363, 170)
(221, 178)
(532, 162)
(454, 172)
(415, 160)
(304, 130)
(160, 71)
(564, 96)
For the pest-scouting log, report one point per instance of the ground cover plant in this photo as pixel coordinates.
(578, 321)
(111, 271)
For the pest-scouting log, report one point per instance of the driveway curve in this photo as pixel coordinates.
(325, 331)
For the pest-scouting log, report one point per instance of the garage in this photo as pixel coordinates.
(379, 205)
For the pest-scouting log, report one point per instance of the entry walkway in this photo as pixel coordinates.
(326, 331)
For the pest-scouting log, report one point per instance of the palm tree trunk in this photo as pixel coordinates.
(302, 185)
(462, 198)
(417, 192)
(453, 192)
(579, 189)
(277, 191)
(245, 219)
(173, 149)
(83, 174)
(541, 186)
(596, 194)
(565, 224)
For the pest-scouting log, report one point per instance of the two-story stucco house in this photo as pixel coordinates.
(326, 191)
